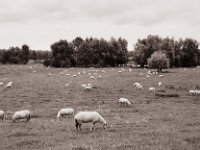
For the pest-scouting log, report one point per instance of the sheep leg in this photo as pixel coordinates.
(80, 127)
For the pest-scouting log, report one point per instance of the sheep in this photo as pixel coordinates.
(148, 76)
(159, 83)
(1, 83)
(2, 115)
(99, 77)
(139, 87)
(88, 87)
(136, 84)
(65, 112)
(87, 117)
(22, 114)
(119, 71)
(74, 75)
(9, 84)
(161, 75)
(124, 101)
(152, 89)
(91, 77)
(194, 92)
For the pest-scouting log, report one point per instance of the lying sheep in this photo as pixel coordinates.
(152, 89)
(124, 101)
(65, 112)
(22, 114)
(87, 117)
(9, 84)
(2, 115)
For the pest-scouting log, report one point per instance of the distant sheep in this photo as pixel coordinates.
(91, 77)
(23, 114)
(152, 89)
(87, 117)
(1, 83)
(159, 83)
(65, 112)
(88, 87)
(74, 75)
(124, 101)
(2, 115)
(9, 84)
(194, 92)
(161, 75)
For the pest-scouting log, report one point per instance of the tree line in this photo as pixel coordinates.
(152, 51)
(17, 55)
(180, 53)
(89, 52)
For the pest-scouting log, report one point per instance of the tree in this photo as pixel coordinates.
(25, 53)
(158, 60)
(145, 48)
(62, 54)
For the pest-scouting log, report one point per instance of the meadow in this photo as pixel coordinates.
(151, 122)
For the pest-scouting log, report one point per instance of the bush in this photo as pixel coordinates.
(46, 63)
(158, 60)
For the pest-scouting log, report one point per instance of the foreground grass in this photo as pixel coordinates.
(151, 122)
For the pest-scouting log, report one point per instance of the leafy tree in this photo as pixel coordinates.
(62, 54)
(158, 60)
(145, 48)
(25, 53)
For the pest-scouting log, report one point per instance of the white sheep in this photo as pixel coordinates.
(159, 83)
(152, 89)
(65, 112)
(2, 115)
(87, 117)
(1, 83)
(91, 77)
(88, 87)
(161, 75)
(74, 75)
(124, 101)
(136, 84)
(9, 84)
(22, 114)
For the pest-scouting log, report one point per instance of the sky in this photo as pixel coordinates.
(40, 23)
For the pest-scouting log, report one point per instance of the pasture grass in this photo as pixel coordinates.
(151, 122)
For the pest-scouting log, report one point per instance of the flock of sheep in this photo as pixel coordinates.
(85, 116)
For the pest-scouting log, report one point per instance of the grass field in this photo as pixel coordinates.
(151, 122)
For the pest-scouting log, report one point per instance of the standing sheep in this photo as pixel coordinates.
(124, 101)
(22, 114)
(87, 117)
(152, 89)
(65, 112)
(2, 115)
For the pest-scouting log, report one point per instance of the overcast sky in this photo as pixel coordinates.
(39, 23)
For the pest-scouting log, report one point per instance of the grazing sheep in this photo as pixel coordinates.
(91, 77)
(2, 115)
(136, 84)
(9, 84)
(194, 92)
(87, 117)
(159, 83)
(1, 83)
(119, 71)
(124, 101)
(65, 112)
(88, 87)
(22, 114)
(74, 75)
(148, 76)
(161, 75)
(99, 77)
(49, 74)
(152, 89)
